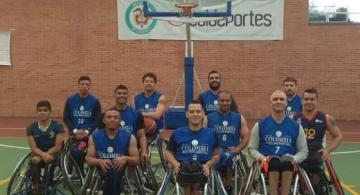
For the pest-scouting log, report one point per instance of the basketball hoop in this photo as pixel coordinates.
(186, 7)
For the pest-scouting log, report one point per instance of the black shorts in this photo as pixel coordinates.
(313, 163)
(279, 166)
(190, 173)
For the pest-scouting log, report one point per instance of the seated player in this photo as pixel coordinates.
(232, 134)
(192, 149)
(45, 138)
(111, 149)
(315, 124)
(277, 137)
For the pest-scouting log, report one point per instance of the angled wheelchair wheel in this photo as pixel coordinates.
(150, 178)
(71, 173)
(241, 169)
(20, 182)
(302, 183)
(254, 181)
(334, 179)
(92, 184)
(161, 146)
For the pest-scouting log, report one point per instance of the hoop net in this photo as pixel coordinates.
(186, 7)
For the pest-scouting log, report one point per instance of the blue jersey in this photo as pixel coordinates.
(44, 139)
(190, 145)
(209, 102)
(227, 128)
(148, 104)
(315, 129)
(107, 148)
(277, 139)
(131, 120)
(81, 113)
(293, 106)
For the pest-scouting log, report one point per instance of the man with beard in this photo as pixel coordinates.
(192, 149)
(232, 134)
(111, 149)
(131, 120)
(209, 98)
(315, 124)
(280, 142)
(151, 103)
(293, 100)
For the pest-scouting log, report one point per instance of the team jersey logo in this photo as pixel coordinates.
(122, 123)
(288, 108)
(215, 102)
(318, 121)
(147, 106)
(225, 123)
(82, 108)
(110, 149)
(278, 133)
(51, 134)
(194, 142)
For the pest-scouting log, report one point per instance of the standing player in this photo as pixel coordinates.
(45, 138)
(293, 100)
(81, 115)
(277, 136)
(209, 98)
(111, 149)
(151, 103)
(131, 120)
(193, 145)
(232, 135)
(315, 124)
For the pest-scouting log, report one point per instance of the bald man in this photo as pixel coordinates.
(280, 142)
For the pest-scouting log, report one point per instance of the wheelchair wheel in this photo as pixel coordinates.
(254, 181)
(334, 179)
(20, 182)
(71, 173)
(161, 146)
(241, 169)
(92, 183)
(151, 182)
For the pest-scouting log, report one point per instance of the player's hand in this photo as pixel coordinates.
(36, 159)
(80, 134)
(104, 164)
(206, 170)
(289, 158)
(234, 150)
(119, 163)
(47, 158)
(144, 156)
(176, 168)
(325, 154)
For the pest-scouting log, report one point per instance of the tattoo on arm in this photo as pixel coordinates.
(332, 120)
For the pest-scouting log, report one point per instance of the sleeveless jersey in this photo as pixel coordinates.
(44, 139)
(107, 148)
(227, 128)
(189, 145)
(130, 120)
(314, 128)
(148, 104)
(277, 139)
(81, 111)
(293, 106)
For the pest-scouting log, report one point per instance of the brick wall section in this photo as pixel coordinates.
(54, 42)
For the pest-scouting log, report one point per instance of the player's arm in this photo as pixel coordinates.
(35, 150)
(59, 140)
(301, 146)
(244, 136)
(67, 117)
(133, 158)
(169, 155)
(104, 164)
(160, 109)
(254, 144)
(336, 134)
(96, 115)
(142, 136)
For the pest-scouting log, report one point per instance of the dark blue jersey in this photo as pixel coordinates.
(209, 102)
(190, 145)
(227, 128)
(277, 139)
(148, 104)
(315, 129)
(44, 139)
(130, 120)
(293, 106)
(82, 113)
(107, 148)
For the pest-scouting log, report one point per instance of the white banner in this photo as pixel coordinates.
(250, 20)
(5, 48)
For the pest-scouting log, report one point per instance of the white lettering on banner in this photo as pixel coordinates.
(250, 20)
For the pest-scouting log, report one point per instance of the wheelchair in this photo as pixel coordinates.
(211, 185)
(256, 182)
(93, 183)
(329, 181)
(53, 177)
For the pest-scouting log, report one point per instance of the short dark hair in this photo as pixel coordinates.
(151, 75)
(195, 101)
(120, 87)
(43, 103)
(212, 72)
(290, 79)
(84, 78)
(312, 90)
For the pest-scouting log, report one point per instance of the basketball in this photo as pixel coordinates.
(149, 126)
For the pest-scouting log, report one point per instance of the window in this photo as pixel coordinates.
(334, 11)
(5, 48)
